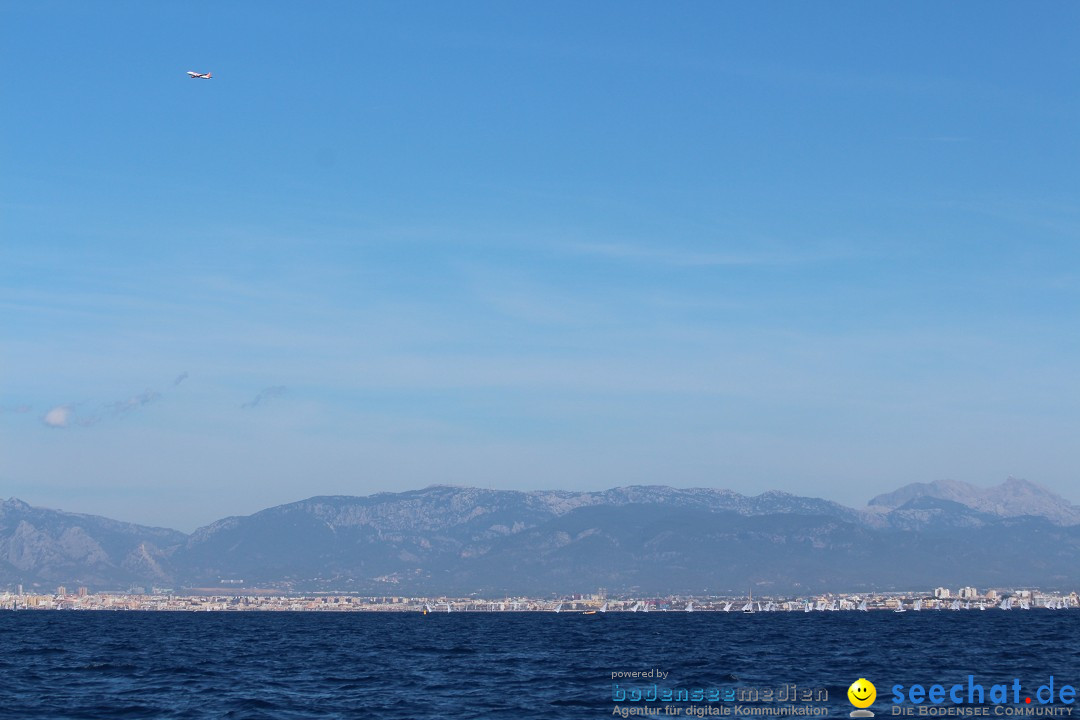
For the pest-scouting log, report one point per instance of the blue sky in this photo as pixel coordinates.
(823, 248)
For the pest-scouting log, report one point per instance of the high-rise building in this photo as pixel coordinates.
(61, 591)
(83, 592)
(942, 593)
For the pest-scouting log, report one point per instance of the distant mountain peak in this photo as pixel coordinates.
(15, 504)
(1015, 497)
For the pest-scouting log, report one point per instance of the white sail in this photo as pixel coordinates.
(900, 606)
(918, 605)
(558, 608)
(862, 606)
(690, 606)
(603, 608)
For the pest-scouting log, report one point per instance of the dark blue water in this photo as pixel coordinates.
(497, 665)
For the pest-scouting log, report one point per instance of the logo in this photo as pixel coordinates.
(862, 694)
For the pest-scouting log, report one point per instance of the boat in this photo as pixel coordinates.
(900, 606)
(862, 606)
(749, 606)
(918, 605)
(690, 606)
(558, 608)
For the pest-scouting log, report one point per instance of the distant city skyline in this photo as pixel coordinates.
(828, 250)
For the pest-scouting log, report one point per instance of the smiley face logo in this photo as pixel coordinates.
(862, 693)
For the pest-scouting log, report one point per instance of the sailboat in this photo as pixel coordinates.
(918, 605)
(558, 608)
(690, 606)
(899, 606)
(808, 607)
(862, 606)
(749, 606)
(727, 607)
(955, 605)
(1006, 603)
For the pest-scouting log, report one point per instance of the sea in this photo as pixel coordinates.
(566, 666)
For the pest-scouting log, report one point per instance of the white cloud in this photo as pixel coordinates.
(58, 417)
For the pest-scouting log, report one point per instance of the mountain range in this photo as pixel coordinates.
(640, 539)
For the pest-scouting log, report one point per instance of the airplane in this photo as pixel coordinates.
(205, 76)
